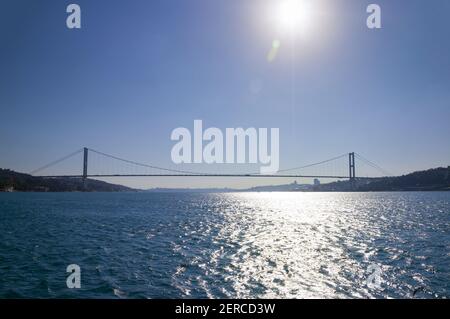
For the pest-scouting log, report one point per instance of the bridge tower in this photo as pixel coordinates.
(85, 166)
(351, 169)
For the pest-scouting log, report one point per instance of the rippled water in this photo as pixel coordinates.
(262, 245)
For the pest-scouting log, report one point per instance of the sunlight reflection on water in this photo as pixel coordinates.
(303, 245)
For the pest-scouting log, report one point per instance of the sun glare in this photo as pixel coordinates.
(294, 16)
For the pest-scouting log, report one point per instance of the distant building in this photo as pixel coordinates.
(316, 182)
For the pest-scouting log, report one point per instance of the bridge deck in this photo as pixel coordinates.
(203, 175)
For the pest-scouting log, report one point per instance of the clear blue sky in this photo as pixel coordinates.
(138, 69)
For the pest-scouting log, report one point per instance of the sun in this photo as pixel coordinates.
(294, 16)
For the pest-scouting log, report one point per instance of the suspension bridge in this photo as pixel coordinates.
(347, 169)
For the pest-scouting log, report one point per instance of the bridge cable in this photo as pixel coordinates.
(56, 162)
(372, 164)
(145, 165)
(314, 164)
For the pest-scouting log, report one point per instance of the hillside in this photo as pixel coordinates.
(430, 180)
(14, 181)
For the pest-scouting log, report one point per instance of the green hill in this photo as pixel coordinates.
(14, 181)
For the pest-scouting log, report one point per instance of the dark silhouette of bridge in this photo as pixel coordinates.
(168, 172)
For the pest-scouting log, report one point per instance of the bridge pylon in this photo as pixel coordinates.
(85, 166)
(351, 169)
